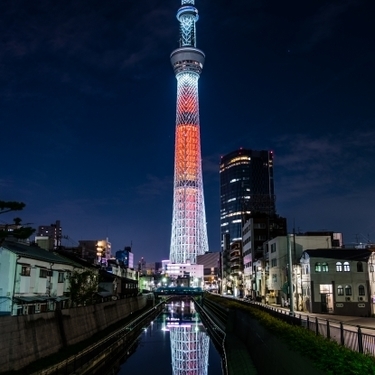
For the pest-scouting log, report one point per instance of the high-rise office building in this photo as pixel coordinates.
(189, 232)
(246, 188)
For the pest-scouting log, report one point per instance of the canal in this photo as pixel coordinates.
(175, 343)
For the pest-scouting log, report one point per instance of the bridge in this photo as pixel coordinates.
(178, 291)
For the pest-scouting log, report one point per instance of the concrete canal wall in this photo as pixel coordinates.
(25, 339)
(252, 349)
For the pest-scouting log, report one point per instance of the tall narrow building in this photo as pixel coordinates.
(246, 188)
(189, 232)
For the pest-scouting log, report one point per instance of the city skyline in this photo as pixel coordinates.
(88, 113)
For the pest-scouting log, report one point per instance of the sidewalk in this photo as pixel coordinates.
(365, 322)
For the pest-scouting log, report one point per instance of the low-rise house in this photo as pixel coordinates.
(337, 281)
(125, 281)
(273, 278)
(32, 280)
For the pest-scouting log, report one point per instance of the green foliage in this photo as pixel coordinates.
(7, 206)
(18, 231)
(83, 286)
(327, 355)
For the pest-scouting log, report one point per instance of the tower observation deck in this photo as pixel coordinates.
(189, 231)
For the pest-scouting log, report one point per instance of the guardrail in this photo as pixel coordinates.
(357, 338)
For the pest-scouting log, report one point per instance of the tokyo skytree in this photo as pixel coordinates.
(189, 231)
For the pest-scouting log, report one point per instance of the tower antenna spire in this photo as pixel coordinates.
(189, 232)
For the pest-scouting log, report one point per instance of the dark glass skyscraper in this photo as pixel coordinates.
(246, 188)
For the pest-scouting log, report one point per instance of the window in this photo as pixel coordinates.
(61, 277)
(318, 267)
(43, 273)
(348, 290)
(273, 262)
(305, 269)
(274, 278)
(324, 267)
(25, 270)
(359, 267)
(361, 290)
(339, 267)
(346, 266)
(273, 247)
(340, 290)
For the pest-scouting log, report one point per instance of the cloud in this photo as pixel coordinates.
(323, 24)
(74, 42)
(331, 164)
(155, 187)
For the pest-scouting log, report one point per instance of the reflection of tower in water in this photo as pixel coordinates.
(189, 341)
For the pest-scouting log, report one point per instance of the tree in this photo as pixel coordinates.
(16, 230)
(83, 286)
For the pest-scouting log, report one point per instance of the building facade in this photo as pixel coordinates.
(189, 232)
(338, 281)
(270, 276)
(246, 188)
(49, 237)
(32, 280)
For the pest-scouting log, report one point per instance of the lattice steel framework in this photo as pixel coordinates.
(189, 231)
(189, 349)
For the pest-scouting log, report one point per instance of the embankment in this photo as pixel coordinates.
(25, 339)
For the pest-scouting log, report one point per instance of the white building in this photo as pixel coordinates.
(271, 275)
(194, 271)
(32, 279)
(338, 281)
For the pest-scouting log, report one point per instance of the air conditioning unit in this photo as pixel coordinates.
(360, 298)
(347, 299)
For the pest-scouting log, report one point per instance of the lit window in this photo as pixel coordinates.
(346, 266)
(318, 267)
(339, 267)
(340, 290)
(324, 267)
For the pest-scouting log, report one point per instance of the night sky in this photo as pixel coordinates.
(88, 99)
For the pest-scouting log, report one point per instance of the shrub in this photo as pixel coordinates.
(326, 354)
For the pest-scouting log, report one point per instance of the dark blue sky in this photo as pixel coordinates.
(87, 112)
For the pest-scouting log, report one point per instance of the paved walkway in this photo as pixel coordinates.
(365, 322)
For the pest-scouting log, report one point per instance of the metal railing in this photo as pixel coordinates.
(357, 338)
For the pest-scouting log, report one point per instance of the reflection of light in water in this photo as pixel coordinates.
(189, 342)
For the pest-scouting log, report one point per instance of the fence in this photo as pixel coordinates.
(356, 338)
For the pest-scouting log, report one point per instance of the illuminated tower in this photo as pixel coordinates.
(189, 342)
(189, 232)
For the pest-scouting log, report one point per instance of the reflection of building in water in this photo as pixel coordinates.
(189, 341)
